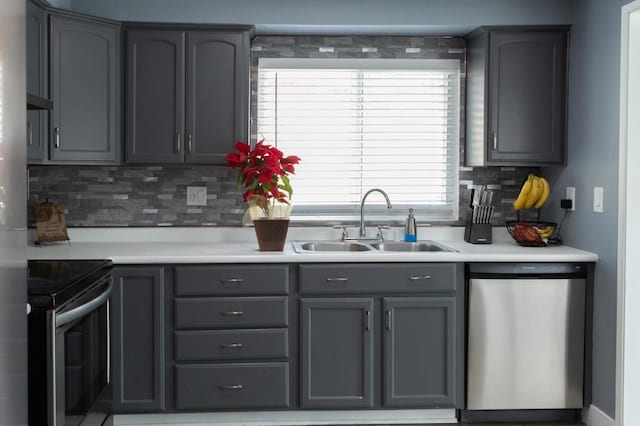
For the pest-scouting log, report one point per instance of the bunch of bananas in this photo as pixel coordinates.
(534, 193)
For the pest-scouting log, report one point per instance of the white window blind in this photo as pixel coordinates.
(359, 124)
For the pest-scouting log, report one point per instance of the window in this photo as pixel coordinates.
(359, 124)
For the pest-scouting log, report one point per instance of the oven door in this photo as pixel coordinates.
(79, 377)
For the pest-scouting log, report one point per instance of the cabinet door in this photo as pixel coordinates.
(217, 94)
(527, 97)
(138, 339)
(419, 352)
(36, 28)
(84, 91)
(337, 351)
(155, 97)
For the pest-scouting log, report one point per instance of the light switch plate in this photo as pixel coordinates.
(196, 195)
(571, 195)
(598, 199)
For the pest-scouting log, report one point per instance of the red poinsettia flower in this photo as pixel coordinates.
(263, 173)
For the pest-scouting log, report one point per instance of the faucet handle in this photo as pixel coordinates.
(345, 233)
(380, 234)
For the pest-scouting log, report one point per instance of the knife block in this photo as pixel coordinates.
(477, 233)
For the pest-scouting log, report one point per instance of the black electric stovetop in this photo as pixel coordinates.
(52, 283)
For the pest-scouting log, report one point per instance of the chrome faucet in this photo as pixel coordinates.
(363, 231)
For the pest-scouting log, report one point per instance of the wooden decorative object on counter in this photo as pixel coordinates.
(51, 225)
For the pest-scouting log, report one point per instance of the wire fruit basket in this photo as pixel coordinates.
(531, 234)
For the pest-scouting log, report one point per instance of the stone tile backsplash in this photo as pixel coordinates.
(156, 195)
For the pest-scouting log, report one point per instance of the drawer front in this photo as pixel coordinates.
(231, 312)
(232, 386)
(221, 280)
(209, 345)
(368, 278)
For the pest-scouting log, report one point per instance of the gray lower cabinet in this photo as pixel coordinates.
(399, 343)
(247, 385)
(85, 78)
(419, 351)
(187, 94)
(231, 334)
(138, 338)
(36, 28)
(336, 353)
(516, 96)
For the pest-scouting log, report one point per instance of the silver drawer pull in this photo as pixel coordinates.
(337, 280)
(420, 277)
(56, 132)
(231, 345)
(231, 281)
(231, 387)
(178, 142)
(231, 313)
(29, 133)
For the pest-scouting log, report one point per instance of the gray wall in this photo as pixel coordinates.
(409, 17)
(594, 90)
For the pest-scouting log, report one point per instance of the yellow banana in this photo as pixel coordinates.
(544, 196)
(519, 203)
(534, 194)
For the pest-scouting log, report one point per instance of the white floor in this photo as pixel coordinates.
(271, 418)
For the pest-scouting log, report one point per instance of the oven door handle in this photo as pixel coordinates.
(82, 310)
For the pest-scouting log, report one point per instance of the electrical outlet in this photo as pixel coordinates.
(598, 199)
(196, 195)
(571, 195)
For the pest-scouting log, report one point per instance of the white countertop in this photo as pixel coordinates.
(238, 245)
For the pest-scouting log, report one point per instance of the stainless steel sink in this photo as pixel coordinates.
(357, 246)
(315, 246)
(407, 246)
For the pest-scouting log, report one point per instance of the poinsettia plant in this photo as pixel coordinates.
(263, 175)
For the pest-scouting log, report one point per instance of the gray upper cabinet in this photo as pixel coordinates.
(187, 94)
(337, 353)
(84, 78)
(419, 351)
(217, 94)
(36, 27)
(516, 96)
(138, 337)
(154, 96)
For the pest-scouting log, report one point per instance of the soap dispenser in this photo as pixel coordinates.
(410, 231)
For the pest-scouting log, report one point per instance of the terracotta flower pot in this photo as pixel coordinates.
(271, 233)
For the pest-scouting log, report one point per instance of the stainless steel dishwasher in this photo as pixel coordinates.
(526, 327)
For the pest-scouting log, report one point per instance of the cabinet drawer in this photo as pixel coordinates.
(232, 386)
(231, 312)
(367, 278)
(209, 345)
(221, 280)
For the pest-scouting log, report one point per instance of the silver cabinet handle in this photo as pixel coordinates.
(231, 345)
(388, 319)
(367, 319)
(420, 278)
(237, 281)
(29, 133)
(178, 142)
(56, 132)
(189, 142)
(337, 279)
(231, 387)
(232, 313)
(495, 141)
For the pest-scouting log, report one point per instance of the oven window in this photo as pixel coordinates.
(85, 365)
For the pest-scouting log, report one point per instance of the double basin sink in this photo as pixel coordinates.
(360, 246)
